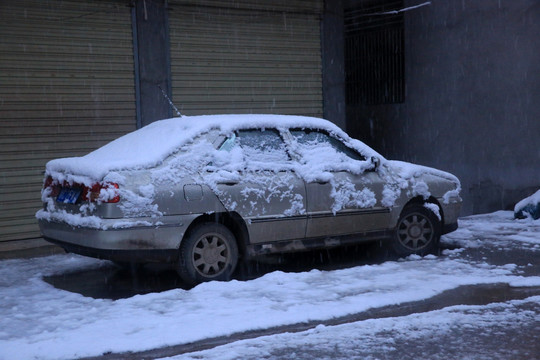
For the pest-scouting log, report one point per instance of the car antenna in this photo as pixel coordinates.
(170, 101)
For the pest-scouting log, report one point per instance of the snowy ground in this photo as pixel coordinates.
(40, 321)
(452, 333)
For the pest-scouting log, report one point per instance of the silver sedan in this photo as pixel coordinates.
(203, 191)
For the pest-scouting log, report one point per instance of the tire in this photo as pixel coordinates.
(418, 231)
(208, 253)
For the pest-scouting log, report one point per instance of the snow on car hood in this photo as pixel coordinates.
(408, 170)
(415, 175)
(150, 145)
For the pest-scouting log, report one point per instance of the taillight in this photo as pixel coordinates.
(53, 185)
(104, 192)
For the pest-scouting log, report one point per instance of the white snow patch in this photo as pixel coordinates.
(496, 229)
(421, 188)
(75, 220)
(373, 338)
(531, 200)
(390, 195)
(346, 195)
(452, 196)
(40, 321)
(434, 209)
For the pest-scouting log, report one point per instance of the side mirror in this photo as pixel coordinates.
(376, 162)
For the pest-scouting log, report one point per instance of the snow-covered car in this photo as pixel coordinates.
(528, 207)
(203, 191)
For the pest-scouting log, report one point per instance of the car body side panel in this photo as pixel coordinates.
(333, 209)
(187, 198)
(450, 211)
(347, 222)
(276, 229)
(288, 246)
(274, 208)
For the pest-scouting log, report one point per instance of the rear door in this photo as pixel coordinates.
(343, 190)
(263, 189)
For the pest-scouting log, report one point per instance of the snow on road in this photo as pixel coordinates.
(42, 322)
(442, 334)
(496, 229)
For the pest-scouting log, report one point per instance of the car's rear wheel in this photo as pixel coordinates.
(417, 232)
(208, 253)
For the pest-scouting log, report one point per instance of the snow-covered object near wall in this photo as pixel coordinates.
(528, 207)
(263, 183)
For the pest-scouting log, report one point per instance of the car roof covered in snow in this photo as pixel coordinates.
(151, 144)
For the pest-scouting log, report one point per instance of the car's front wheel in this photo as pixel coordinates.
(208, 253)
(417, 232)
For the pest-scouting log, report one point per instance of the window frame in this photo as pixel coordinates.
(361, 157)
(236, 133)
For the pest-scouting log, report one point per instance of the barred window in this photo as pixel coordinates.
(374, 53)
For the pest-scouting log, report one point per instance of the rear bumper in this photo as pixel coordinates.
(154, 255)
(157, 242)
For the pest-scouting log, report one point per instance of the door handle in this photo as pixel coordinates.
(228, 183)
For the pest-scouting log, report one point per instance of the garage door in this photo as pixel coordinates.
(246, 56)
(66, 88)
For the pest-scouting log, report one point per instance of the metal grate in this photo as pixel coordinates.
(233, 60)
(374, 53)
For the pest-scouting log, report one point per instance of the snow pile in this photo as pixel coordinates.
(457, 332)
(434, 209)
(60, 215)
(486, 229)
(42, 322)
(528, 207)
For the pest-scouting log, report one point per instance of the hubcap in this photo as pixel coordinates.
(415, 231)
(210, 255)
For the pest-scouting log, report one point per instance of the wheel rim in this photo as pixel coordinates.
(210, 255)
(415, 231)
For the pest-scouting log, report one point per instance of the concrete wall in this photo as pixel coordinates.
(153, 59)
(333, 63)
(472, 102)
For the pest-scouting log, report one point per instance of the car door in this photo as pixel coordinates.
(266, 191)
(344, 191)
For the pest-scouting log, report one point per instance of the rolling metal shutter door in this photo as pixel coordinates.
(66, 88)
(246, 57)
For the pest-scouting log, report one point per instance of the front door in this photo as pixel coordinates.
(343, 190)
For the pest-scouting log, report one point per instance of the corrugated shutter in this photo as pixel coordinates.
(298, 6)
(66, 88)
(246, 57)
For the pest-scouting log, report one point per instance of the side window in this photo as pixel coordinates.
(317, 139)
(262, 148)
(228, 144)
